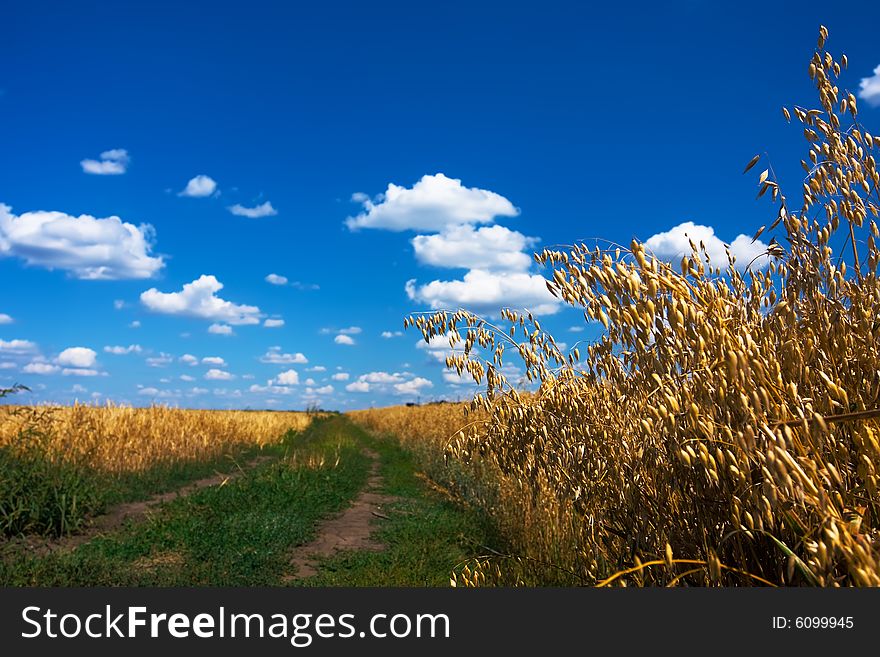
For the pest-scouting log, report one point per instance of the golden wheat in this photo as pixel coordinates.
(121, 439)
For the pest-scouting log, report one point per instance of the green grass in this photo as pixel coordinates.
(242, 533)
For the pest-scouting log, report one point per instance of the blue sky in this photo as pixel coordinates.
(383, 158)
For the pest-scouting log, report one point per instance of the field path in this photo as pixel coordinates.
(332, 506)
(350, 530)
(117, 515)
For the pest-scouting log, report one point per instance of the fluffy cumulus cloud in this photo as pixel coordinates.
(413, 386)
(262, 210)
(358, 386)
(674, 244)
(218, 375)
(487, 292)
(189, 359)
(323, 390)
(288, 378)
(869, 89)
(112, 162)
(220, 329)
(487, 247)
(17, 346)
(340, 376)
(271, 389)
(199, 186)
(199, 299)
(276, 279)
(344, 339)
(87, 247)
(381, 377)
(273, 323)
(275, 356)
(391, 334)
(79, 357)
(5, 319)
(121, 351)
(38, 367)
(214, 360)
(432, 204)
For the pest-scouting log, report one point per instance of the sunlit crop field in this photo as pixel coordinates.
(120, 439)
(60, 466)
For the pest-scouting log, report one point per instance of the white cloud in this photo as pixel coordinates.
(118, 304)
(489, 247)
(38, 367)
(487, 292)
(576, 329)
(199, 299)
(152, 392)
(89, 248)
(198, 391)
(275, 390)
(358, 386)
(391, 334)
(7, 365)
(311, 382)
(79, 371)
(432, 204)
(199, 186)
(187, 378)
(343, 339)
(381, 377)
(112, 162)
(81, 357)
(220, 329)
(218, 375)
(78, 389)
(189, 359)
(262, 210)
(17, 346)
(340, 376)
(288, 378)
(317, 368)
(273, 323)
(121, 351)
(673, 245)
(135, 324)
(325, 390)
(274, 356)
(214, 360)
(161, 360)
(276, 279)
(412, 387)
(351, 330)
(5, 319)
(869, 89)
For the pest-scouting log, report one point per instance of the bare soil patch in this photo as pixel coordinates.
(351, 530)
